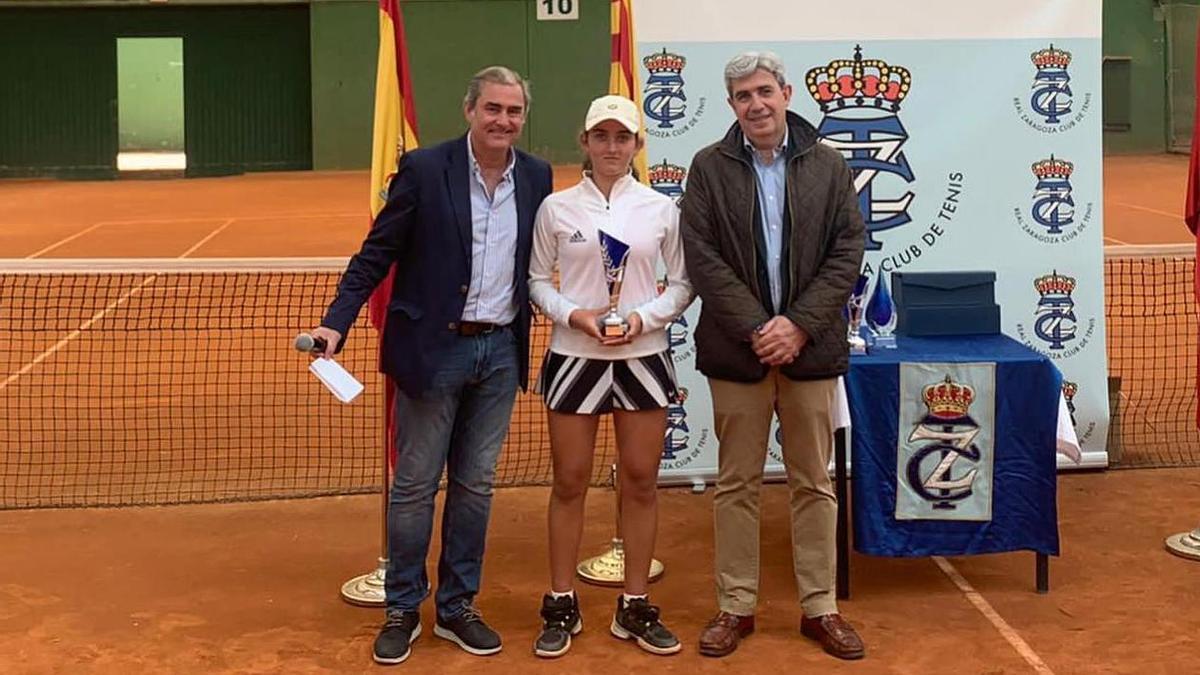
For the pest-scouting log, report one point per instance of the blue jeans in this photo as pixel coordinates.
(459, 423)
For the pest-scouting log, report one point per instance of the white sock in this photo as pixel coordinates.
(566, 594)
(625, 597)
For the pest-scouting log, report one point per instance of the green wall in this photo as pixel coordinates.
(150, 94)
(1134, 29)
(345, 40)
(247, 102)
(566, 63)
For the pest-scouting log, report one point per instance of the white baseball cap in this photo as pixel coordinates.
(613, 107)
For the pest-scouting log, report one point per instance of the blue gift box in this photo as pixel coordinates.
(944, 288)
(946, 303)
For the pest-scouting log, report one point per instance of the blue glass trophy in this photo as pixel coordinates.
(614, 253)
(854, 315)
(881, 315)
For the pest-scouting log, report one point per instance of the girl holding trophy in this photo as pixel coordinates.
(608, 353)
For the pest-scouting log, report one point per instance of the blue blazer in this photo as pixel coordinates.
(425, 228)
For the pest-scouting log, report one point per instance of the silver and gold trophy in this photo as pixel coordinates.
(614, 253)
(854, 315)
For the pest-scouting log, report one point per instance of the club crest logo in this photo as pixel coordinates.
(1051, 103)
(677, 333)
(667, 179)
(947, 433)
(860, 101)
(1054, 216)
(679, 448)
(1069, 390)
(675, 440)
(664, 100)
(775, 450)
(1056, 324)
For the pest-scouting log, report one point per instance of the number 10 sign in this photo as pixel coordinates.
(557, 10)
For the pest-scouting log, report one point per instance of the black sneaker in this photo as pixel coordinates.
(393, 645)
(467, 630)
(560, 620)
(639, 620)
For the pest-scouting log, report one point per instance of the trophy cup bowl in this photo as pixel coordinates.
(854, 316)
(614, 254)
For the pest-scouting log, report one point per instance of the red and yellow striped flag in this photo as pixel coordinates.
(622, 75)
(395, 133)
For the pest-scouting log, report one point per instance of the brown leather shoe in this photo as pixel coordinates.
(835, 634)
(721, 635)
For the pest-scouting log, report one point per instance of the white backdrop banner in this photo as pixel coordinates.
(974, 134)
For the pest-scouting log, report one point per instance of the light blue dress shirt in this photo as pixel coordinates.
(771, 179)
(491, 295)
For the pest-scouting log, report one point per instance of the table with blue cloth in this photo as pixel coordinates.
(954, 442)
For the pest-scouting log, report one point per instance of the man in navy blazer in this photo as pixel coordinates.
(458, 223)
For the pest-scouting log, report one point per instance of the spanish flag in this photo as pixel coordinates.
(622, 77)
(395, 133)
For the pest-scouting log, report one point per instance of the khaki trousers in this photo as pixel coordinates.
(742, 412)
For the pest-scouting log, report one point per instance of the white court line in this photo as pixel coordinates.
(205, 240)
(101, 314)
(1113, 240)
(985, 608)
(60, 242)
(1135, 207)
(77, 332)
(307, 215)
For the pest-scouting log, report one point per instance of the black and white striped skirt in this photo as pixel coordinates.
(575, 384)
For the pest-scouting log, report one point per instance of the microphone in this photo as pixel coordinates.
(309, 344)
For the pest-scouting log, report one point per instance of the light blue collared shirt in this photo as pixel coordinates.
(491, 296)
(771, 180)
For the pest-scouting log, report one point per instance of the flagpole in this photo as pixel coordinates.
(367, 590)
(394, 133)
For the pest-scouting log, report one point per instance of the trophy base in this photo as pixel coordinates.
(1185, 544)
(883, 342)
(366, 590)
(608, 568)
(614, 330)
(857, 345)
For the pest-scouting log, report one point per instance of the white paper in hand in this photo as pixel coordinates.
(337, 379)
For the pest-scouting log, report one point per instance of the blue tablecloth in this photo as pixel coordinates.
(1006, 438)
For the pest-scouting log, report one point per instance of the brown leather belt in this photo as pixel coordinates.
(473, 328)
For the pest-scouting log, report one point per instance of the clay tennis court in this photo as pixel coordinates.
(252, 586)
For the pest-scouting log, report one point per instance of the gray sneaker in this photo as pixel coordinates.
(394, 643)
(560, 620)
(467, 630)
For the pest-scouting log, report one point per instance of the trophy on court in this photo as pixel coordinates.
(881, 315)
(854, 315)
(614, 253)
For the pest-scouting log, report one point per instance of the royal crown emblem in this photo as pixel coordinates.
(667, 178)
(666, 173)
(664, 62)
(1051, 58)
(948, 400)
(1054, 284)
(869, 83)
(1052, 168)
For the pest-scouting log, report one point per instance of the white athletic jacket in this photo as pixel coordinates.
(564, 233)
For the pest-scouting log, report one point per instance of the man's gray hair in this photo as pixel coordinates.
(494, 75)
(744, 65)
